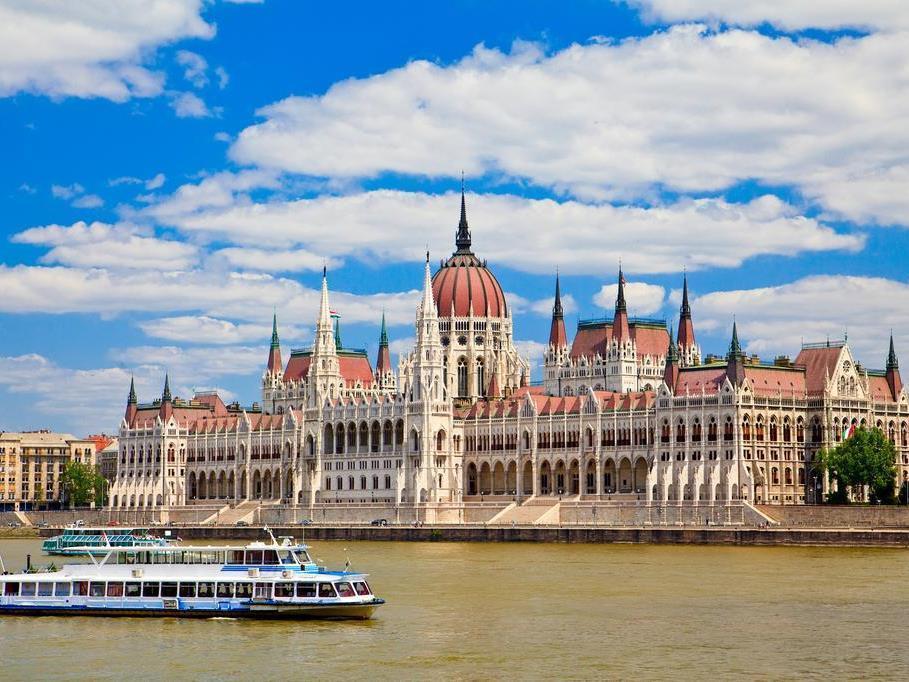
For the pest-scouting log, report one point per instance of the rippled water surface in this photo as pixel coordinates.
(478, 611)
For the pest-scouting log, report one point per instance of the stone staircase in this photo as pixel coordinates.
(534, 510)
(229, 516)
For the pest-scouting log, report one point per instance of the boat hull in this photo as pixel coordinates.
(360, 611)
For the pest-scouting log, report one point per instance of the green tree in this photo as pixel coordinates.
(865, 459)
(82, 483)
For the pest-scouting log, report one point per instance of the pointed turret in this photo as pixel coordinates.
(428, 304)
(462, 239)
(131, 403)
(337, 319)
(620, 331)
(893, 371)
(492, 390)
(671, 371)
(274, 352)
(325, 370)
(735, 358)
(383, 361)
(689, 350)
(167, 405)
(557, 336)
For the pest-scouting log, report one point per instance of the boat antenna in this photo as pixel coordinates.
(271, 535)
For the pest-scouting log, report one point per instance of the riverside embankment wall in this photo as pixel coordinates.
(657, 535)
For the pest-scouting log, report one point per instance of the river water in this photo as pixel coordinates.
(522, 611)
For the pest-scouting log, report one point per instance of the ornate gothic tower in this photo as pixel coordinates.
(385, 376)
(272, 379)
(893, 372)
(325, 369)
(689, 351)
(735, 359)
(132, 403)
(621, 353)
(556, 354)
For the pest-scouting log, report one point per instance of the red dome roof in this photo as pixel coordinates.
(464, 283)
(468, 285)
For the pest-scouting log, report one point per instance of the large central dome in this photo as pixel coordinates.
(464, 286)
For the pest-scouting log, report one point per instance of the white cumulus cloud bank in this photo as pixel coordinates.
(640, 297)
(91, 49)
(790, 15)
(391, 226)
(777, 319)
(686, 109)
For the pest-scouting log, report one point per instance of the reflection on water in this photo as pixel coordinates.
(522, 611)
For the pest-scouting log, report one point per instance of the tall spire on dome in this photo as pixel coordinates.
(557, 336)
(462, 240)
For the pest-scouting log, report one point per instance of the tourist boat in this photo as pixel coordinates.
(275, 580)
(78, 539)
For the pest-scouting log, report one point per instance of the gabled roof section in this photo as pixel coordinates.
(651, 337)
(820, 361)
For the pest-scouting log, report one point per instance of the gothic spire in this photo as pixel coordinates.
(892, 361)
(735, 349)
(132, 400)
(383, 338)
(735, 359)
(686, 309)
(166, 397)
(557, 312)
(275, 343)
(671, 371)
(383, 361)
(620, 299)
(462, 240)
(557, 336)
(337, 319)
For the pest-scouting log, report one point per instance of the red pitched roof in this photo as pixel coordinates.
(592, 340)
(819, 363)
(771, 381)
(706, 378)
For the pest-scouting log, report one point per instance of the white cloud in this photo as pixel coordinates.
(221, 136)
(223, 78)
(196, 364)
(294, 260)
(27, 188)
(210, 330)
(401, 347)
(214, 293)
(88, 201)
(156, 182)
(687, 109)
(67, 191)
(189, 105)
(777, 319)
(194, 68)
(91, 49)
(533, 351)
(103, 245)
(388, 225)
(542, 306)
(792, 15)
(641, 298)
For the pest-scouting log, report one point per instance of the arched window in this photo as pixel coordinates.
(462, 377)
(481, 377)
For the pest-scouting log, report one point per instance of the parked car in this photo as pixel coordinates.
(41, 524)
(379, 522)
(14, 524)
(305, 522)
(242, 523)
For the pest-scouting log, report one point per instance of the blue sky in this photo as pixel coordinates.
(175, 170)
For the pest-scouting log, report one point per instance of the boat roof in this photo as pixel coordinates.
(195, 548)
(112, 529)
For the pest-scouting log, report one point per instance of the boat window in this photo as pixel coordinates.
(168, 589)
(235, 556)
(362, 588)
(254, 557)
(206, 589)
(306, 589)
(345, 590)
(244, 590)
(225, 590)
(11, 590)
(114, 589)
(133, 589)
(286, 557)
(263, 591)
(45, 589)
(305, 558)
(327, 590)
(80, 588)
(96, 589)
(270, 557)
(284, 589)
(63, 589)
(28, 589)
(187, 589)
(151, 589)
